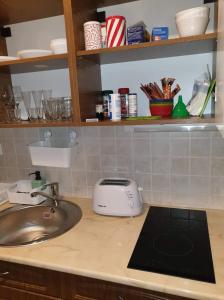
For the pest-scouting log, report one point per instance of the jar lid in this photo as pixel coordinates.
(115, 17)
(92, 23)
(123, 90)
(107, 92)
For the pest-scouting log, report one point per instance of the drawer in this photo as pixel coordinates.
(9, 293)
(83, 288)
(28, 278)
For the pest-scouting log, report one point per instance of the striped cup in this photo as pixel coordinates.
(116, 31)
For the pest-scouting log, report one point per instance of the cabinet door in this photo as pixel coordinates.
(83, 288)
(220, 64)
(26, 278)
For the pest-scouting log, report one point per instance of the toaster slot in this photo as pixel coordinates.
(120, 182)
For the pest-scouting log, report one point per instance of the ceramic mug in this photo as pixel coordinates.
(92, 34)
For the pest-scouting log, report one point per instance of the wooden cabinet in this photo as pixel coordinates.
(23, 282)
(84, 66)
(34, 281)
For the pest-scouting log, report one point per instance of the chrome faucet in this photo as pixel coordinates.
(54, 193)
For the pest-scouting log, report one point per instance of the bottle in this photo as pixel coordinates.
(115, 107)
(38, 181)
(124, 101)
(99, 112)
(101, 17)
(105, 95)
(132, 105)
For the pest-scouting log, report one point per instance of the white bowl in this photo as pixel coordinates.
(202, 11)
(59, 46)
(33, 53)
(192, 26)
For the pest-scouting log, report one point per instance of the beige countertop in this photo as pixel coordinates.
(100, 247)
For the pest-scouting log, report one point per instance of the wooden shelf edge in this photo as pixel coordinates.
(163, 121)
(34, 59)
(173, 41)
(27, 124)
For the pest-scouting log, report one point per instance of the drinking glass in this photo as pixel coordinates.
(26, 96)
(67, 108)
(37, 97)
(47, 94)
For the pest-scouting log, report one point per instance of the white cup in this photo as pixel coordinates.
(92, 34)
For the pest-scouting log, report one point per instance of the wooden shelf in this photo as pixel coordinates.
(103, 3)
(34, 64)
(14, 11)
(163, 121)
(166, 48)
(42, 123)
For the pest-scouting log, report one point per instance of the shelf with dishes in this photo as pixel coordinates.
(177, 46)
(36, 63)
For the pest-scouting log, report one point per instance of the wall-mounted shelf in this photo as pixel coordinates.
(14, 11)
(34, 64)
(38, 123)
(84, 66)
(166, 48)
(103, 3)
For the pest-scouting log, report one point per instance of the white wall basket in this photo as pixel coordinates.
(52, 152)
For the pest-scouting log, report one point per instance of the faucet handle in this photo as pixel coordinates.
(54, 188)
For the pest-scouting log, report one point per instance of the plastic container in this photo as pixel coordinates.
(20, 192)
(53, 154)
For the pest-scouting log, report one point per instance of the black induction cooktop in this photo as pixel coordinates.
(174, 242)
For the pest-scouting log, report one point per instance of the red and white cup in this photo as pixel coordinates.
(116, 31)
(92, 34)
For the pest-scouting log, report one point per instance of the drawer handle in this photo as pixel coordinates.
(4, 273)
(120, 298)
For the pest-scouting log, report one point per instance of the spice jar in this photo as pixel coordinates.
(99, 112)
(124, 101)
(106, 99)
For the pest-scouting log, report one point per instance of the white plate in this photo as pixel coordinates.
(33, 53)
(5, 58)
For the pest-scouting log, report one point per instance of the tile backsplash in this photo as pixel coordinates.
(184, 169)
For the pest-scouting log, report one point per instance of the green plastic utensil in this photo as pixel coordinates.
(180, 110)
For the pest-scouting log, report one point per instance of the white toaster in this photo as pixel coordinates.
(117, 197)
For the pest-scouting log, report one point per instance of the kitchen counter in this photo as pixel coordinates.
(100, 247)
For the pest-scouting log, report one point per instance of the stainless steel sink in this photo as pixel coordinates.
(22, 225)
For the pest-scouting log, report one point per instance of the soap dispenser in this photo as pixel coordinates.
(38, 181)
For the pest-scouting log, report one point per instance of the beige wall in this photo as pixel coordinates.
(184, 169)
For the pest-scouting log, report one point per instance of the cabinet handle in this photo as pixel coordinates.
(4, 273)
(120, 298)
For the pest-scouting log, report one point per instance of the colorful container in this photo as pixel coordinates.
(162, 108)
(116, 31)
(92, 34)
